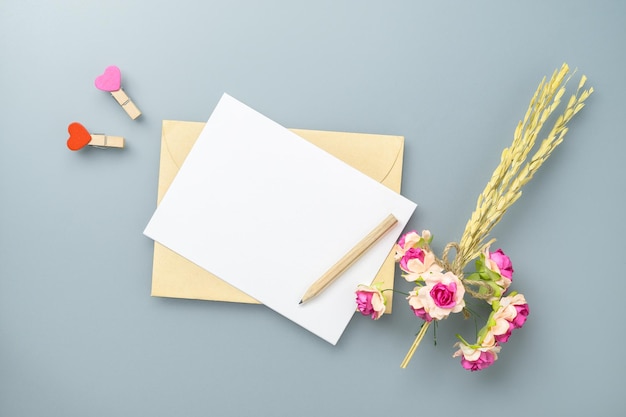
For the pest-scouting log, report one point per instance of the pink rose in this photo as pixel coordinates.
(500, 263)
(516, 308)
(412, 253)
(444, 295)
(415, 256)
(407, 241)
(522, 314)
(415, 303)
(485, 360)
(410, 240)
(499, 321)
(422, 314)
(418, 262)
(504, 337)
(478, 357)
(370, 301)
(510, 315)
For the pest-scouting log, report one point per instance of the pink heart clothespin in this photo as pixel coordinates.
(111, 81)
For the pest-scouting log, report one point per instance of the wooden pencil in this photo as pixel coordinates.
(344, 263)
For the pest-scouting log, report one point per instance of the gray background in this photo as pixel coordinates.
(80, 334)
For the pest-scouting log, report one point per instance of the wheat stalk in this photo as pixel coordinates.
(515, 168)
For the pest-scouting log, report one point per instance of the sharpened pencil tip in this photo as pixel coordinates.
(300, 302)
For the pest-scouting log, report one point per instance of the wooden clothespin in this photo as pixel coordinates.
(80, 137)
(111, 81)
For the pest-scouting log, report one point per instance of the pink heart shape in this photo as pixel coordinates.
(111, 80)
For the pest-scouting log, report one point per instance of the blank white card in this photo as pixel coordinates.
(269, 213)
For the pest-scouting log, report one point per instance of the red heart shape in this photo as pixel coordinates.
(79, 136)
(111, 80)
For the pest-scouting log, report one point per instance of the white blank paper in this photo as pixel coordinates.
(269, 213)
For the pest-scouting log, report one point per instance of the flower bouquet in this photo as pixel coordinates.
(441, 286)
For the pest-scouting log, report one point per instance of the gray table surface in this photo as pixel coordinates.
(80, 334)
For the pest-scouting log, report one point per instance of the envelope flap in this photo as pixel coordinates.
(185, 135)
(177, 139)
(374, 155)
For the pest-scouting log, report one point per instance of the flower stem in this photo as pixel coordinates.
(396, 291)
(415, 344)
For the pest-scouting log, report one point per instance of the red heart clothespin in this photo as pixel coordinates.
(111, 81)
(80, 137)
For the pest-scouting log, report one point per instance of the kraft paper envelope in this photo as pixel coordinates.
(378, 156)
(269, 213)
